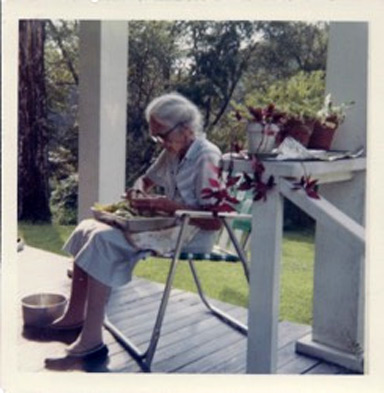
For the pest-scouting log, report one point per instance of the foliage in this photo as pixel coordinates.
(295, 46)
(285, 49)
(264, 115)
(61, 77)
(64, 200)
(218, 55)
(301, 95)
(152, 56)
(255, 181)
(153, 53)
(332, 115)
(309, 185)
(211, 62)
(220, 191)
(62, 56)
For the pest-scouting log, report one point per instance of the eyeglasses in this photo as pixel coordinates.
(163, 137)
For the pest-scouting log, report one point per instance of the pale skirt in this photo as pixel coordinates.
(105, 254)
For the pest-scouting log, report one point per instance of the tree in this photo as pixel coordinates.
(62, 79)
(218, 55)
(33, 188)
(153, 53)
(287, 67)
(210, 62)
(285, 49)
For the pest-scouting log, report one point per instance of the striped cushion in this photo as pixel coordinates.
(213, 256)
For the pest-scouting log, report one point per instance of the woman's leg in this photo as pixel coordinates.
(75, 311)
(91, 334)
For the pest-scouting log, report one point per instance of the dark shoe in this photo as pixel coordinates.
(76, 326)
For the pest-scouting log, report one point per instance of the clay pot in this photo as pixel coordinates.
(321, 137)
(297, 129)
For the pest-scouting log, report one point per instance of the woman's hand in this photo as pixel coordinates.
(133, 193)
(141, 187)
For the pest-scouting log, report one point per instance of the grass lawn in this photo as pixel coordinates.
(223, 281)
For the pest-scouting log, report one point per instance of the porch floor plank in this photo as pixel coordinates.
(191, 341)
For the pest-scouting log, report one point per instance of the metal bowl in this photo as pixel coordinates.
(41, 309)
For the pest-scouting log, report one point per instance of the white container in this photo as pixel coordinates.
(255, 137)
(269, 138)
(41, 309)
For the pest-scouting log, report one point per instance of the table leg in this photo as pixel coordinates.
(263, 318)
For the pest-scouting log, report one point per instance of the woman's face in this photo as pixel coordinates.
(175, 139)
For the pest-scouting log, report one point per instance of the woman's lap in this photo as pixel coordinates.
(105, 254)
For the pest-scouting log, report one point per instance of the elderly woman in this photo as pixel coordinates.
(103, 257)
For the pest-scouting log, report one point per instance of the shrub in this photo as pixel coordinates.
(301, 95)
(64, 200)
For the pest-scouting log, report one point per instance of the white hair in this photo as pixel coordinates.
(173, 109)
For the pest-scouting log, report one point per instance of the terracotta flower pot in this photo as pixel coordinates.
(321, 137)
(297, 129)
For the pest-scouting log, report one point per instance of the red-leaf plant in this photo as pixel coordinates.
(265, 115)
(220, 191)
(255, 182)
(309, 185)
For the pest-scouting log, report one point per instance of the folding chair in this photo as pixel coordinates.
(240, 222)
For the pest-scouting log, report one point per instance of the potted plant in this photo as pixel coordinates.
(329, 118)
(301, 117)
(263, 126)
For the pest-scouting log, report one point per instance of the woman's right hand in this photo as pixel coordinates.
(133, 193)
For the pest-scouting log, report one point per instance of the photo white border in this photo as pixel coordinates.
(371, 11)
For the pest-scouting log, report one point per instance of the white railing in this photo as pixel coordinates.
(266, 238)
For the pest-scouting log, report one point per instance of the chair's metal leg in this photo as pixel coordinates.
(167, 290)
(226, 318)
(145, 357)
(239, 250)
(246, 240)
(120, 337)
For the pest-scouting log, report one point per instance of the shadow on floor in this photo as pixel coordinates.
(45, 335)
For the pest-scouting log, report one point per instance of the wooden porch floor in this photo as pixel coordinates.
(192, 340)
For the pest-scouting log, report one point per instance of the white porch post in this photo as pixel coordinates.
(338, 299)
(264, 296)
(102, 117)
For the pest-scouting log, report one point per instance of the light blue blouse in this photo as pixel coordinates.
(183, 181)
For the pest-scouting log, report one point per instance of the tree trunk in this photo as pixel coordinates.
(33, 187)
